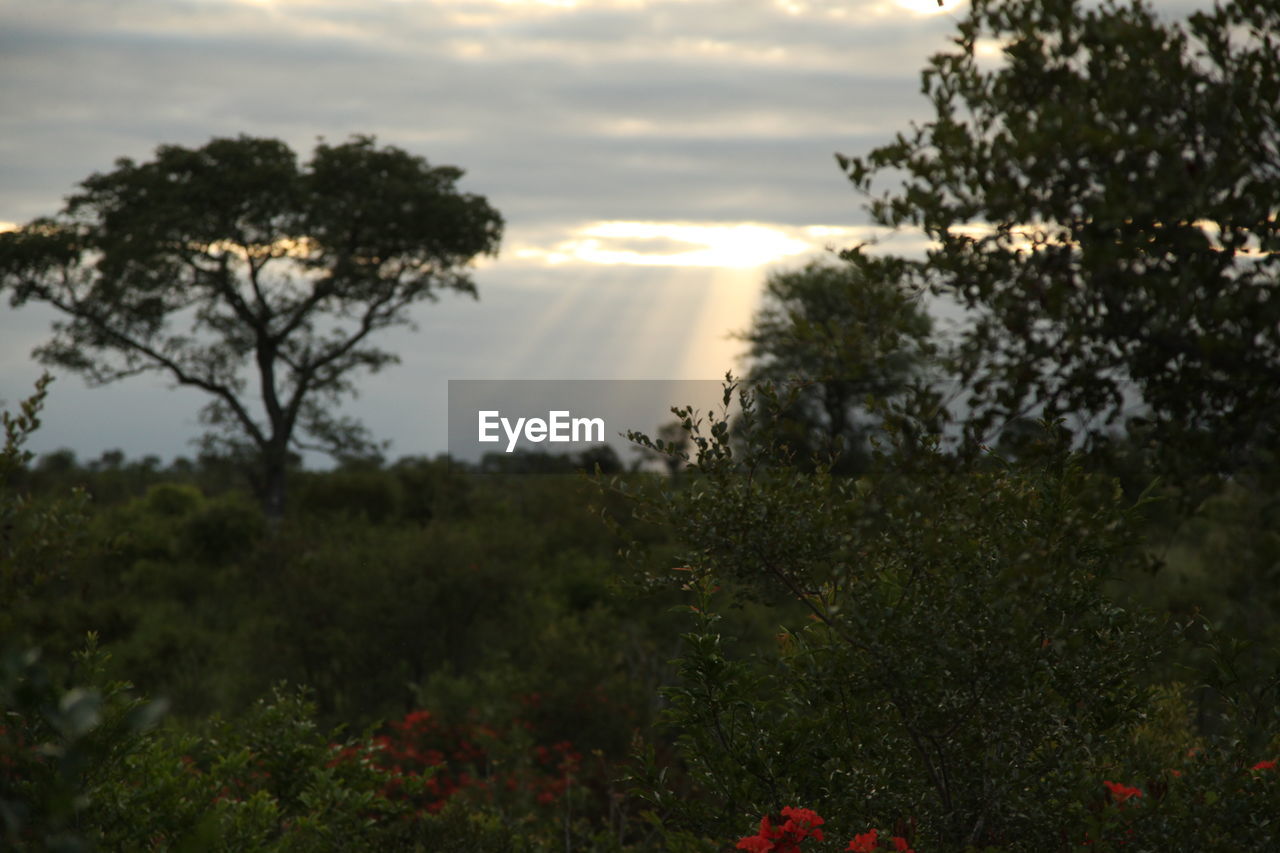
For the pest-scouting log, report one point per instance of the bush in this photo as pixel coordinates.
(946, 656)
(373, 495)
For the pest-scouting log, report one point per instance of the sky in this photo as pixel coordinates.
(653, 160)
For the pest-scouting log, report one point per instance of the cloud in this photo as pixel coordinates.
(665, 152)
(521, 95)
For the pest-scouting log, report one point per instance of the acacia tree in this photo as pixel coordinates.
(209, 265)
(1104, 198)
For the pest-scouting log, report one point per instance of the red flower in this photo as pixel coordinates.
(799, 825)
(900, 844)
(808, 816)
(761, 842)
(864, 843)
(1121, 793)
(1264, 765)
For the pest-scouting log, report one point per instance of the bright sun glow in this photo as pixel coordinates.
(681, 323)
(557, 4)
(736, 245)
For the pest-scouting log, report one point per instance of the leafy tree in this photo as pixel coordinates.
(1104, 199)
(836, 336)
(206, 264)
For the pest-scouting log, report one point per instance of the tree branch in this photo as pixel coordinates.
(180, 374)
(306, 372)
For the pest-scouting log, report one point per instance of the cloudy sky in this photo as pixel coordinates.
(653, 160)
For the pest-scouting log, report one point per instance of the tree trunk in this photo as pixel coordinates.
(274, 465)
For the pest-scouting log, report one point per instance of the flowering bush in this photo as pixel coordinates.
(869, 842)
(460, 759)
(796, 825)
(1121, 793)
(1212, 796)
(947, 650)
(266, 782)
(1127, 819)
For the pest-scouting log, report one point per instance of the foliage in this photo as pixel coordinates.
(508, 585)
(548, 791)
(37, 536)
(60, 746)
(204, 263)
(489, 600)
(364, 492)
(1103, 198)
(601, 456)
(794, 827)
(87, 771)
(947, 655)
(841, 339)
(1208, 803)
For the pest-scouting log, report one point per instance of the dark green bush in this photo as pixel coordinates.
(223, 531)
(371, 495)
(945, 655)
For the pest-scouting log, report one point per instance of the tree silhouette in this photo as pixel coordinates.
(207, 265)
(828, 337)
(1104, 199)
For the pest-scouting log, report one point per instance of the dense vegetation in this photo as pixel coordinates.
(859, 615)
(421, 658)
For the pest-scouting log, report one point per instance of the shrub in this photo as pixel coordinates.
(946, 653)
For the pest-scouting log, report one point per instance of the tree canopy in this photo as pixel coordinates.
(829, 337)
(212, 264)
(1104, 199)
